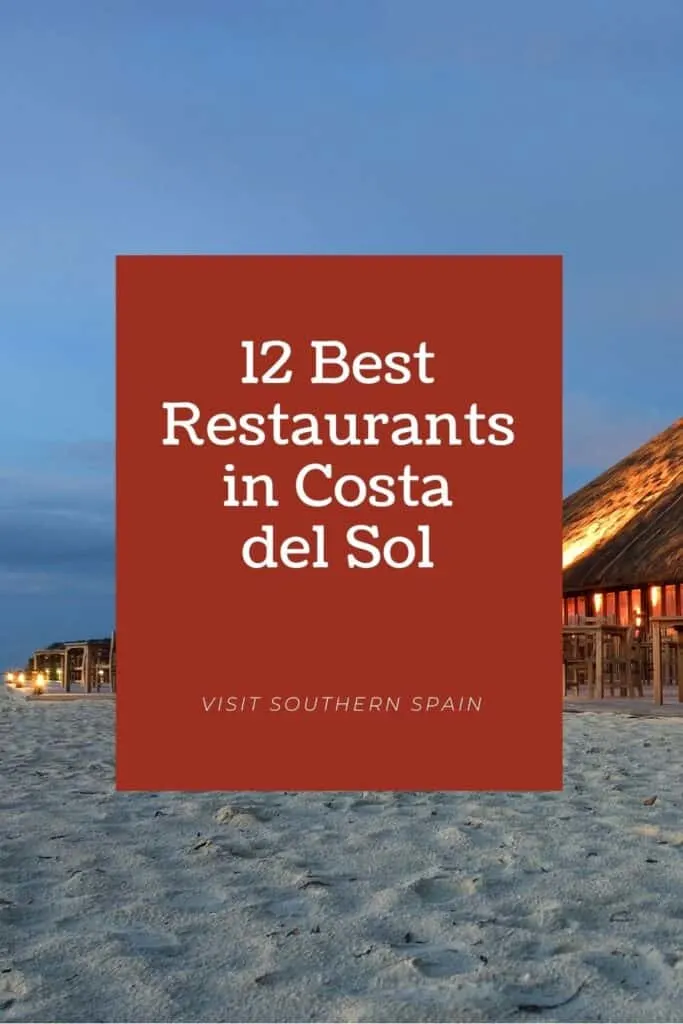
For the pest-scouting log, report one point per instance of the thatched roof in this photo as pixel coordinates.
(625, 528)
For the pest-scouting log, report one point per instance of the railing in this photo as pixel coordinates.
(603, 657)
(590, 620)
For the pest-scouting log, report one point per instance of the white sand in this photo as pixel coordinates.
(338, 907)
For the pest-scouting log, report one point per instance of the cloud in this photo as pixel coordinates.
(97, 455)
(79, 493)
(45, 541)
(18, 583)
(536, 35)
(56, 533)
(31, 618)
(56, 558)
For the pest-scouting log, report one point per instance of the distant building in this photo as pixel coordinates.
(80, 664)
(622, 552)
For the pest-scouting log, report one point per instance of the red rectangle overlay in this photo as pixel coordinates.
(339, 523)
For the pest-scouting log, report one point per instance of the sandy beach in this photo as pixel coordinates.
(339, 907)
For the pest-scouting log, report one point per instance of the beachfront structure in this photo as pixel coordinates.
(622, 551)
(87, 665)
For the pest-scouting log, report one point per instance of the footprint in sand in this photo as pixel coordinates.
(242, 815)
(145, 943)
(249, 851)
(444, 963)
(293, 906)
(441, 889)
(271, 978)
(196, 902)
(366, 803)
(12, 987)
(629, 970)
(547, 991)
(22, 915)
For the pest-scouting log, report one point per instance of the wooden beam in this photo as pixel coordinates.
(658, 689)
(599, 679)
(112, 658)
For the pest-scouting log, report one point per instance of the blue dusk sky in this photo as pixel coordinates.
(332, 126)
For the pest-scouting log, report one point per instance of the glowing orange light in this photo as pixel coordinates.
(633, 487)
(597, 603)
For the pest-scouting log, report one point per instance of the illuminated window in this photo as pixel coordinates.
(656, 600)
(637, 604)
(670, 600)
(611, 606)
(581, 607)
(597, 604)
(623, 608)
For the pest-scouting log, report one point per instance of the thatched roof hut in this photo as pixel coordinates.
(623, 532)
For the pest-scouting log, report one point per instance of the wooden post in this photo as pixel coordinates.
(627, 642)
(112, 658)
(599, 681)
(86, 668)
(657, 688)
(67, 681)
(590, 676)
(679, 663)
